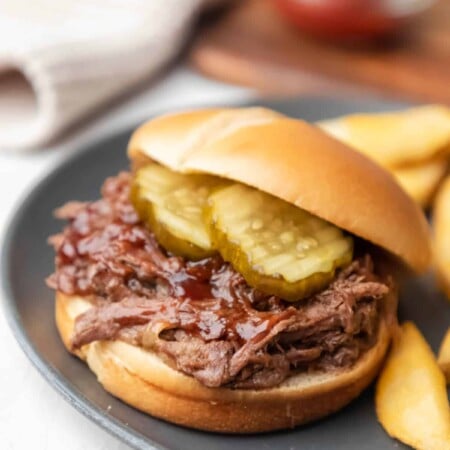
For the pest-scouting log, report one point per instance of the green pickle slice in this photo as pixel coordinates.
(277, 247)
(172, 204)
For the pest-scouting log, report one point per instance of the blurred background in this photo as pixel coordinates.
(74, 71)
(68, 63)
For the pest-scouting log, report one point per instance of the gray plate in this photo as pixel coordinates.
(27, 260)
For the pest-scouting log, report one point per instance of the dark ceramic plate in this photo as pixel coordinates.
(27, 260)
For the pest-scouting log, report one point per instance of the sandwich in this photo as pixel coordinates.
(242, 276)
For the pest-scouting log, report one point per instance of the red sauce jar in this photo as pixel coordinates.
(351, 18)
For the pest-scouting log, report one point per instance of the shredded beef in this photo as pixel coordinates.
(202, 317)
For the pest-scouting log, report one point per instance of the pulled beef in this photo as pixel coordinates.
(202, 317)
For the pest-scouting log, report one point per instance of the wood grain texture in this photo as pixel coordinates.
(251, 44)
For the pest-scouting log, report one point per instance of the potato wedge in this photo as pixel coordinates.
(397, 138)
(411, 395)
(421, 181)
(444, 356)
(441, 230)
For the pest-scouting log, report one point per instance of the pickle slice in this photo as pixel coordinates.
(171, 204)
(277, 247)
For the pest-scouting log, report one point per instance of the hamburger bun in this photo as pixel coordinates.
(295, 161)
(142, 379)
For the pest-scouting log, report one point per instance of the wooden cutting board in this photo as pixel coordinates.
(251, 44)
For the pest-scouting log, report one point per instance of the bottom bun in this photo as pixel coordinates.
(141, 379)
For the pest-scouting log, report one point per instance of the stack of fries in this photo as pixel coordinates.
(414, 146)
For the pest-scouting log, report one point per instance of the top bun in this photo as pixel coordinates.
(297, 162)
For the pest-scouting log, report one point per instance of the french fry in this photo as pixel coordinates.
(411, 395)
(421, 181)
(444, 356)
(441, 229)
(395, 139)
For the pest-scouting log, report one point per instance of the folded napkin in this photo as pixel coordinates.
(61, 59)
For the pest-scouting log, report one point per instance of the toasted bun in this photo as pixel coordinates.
(296, 162)
(143, 380)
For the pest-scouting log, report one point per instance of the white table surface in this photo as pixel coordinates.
(32, 414)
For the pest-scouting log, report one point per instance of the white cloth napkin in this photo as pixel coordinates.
(62, 59)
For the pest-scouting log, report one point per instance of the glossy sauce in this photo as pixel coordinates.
(107, 253)
(202, 314)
